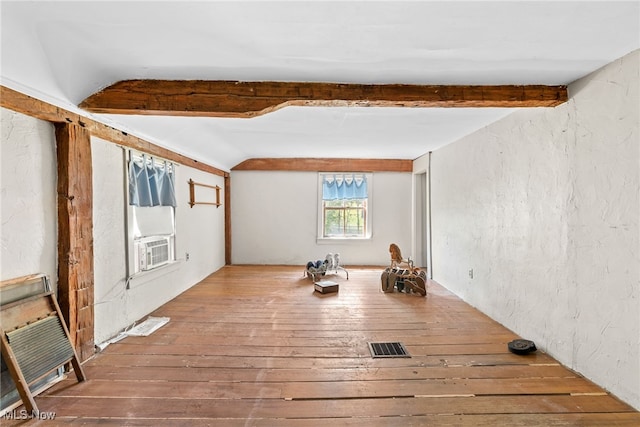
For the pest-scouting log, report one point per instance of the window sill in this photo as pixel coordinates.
(334, 240)
(143, 277)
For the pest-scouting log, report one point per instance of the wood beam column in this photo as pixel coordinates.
(75, 235)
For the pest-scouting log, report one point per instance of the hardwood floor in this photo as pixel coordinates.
(255, 346)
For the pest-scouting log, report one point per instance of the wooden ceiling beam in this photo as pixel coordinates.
(223, 98)
(33, 107)
(325, 165)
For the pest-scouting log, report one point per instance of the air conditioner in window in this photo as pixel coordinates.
(153, 252)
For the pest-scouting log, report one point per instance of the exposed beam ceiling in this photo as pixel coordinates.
(25, 104)
(199, 98)
(62, 52)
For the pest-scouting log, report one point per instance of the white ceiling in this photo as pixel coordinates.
(62, 52)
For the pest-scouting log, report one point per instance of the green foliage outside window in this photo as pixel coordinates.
(345, 218)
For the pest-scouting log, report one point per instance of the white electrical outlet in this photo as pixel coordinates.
(186, 256)
(471, 273)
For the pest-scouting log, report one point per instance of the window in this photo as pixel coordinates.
(344, 206)
(151, 212)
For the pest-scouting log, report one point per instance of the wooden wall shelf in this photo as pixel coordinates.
(192, 194)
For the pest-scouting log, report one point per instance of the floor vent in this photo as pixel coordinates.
(388, 349)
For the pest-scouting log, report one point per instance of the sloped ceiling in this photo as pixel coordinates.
(62, 52)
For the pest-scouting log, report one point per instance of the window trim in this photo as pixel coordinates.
(320, 238)
(130, 232)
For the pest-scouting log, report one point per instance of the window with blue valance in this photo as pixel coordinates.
(150, 219)
(344, 187)
(344, 206)
(151, 182)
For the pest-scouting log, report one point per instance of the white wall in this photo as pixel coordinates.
(544, 207)
(28, 197)
(29, 225)
(199, 231)
(421, 209)
(274, 219)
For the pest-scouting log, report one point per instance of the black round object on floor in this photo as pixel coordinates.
(522, 346)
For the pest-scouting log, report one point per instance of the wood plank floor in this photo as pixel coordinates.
(255, 346)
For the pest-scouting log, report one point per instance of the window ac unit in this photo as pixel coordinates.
(153, 252)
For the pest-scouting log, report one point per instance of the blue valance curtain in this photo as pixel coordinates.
(151, 183)
(344, 186)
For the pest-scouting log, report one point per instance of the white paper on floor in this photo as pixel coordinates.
(148, 327)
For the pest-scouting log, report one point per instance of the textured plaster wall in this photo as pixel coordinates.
(28, 197)
(274, 219)
(29, 222)
(544, 206)
(199, 231)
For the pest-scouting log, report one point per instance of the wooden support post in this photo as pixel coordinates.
(75, 235)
